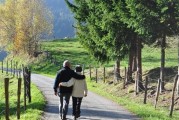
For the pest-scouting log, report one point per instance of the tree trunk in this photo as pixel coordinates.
(178, 80)
(139, 64)
(178, 71)
(131, 54)
(163, 45)
(134, 63)
(117, 70)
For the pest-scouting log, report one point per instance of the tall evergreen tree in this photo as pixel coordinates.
(101, 31)
(153, 20)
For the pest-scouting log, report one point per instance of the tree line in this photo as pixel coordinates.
(114, 29)
(22, 24)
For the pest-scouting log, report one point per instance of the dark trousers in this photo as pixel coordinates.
(64, 102)
(76, 105)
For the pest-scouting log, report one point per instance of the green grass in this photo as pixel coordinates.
(144, 111)
(63, 50)
(33, 109)
(151, 57)
(71, 49)
(68, 49)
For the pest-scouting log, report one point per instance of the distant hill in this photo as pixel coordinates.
(1, 1)
(63, 19)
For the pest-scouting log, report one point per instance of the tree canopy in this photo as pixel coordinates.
(100, 30)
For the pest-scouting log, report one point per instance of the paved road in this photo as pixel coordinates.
(94, 107)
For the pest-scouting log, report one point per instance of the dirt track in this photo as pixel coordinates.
(94, 107)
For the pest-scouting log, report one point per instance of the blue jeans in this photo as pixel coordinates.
(64, 102)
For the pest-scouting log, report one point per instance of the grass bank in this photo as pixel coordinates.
(144, 111)
(33, 109)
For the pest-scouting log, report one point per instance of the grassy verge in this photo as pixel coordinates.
(33, 109)
(144, 111)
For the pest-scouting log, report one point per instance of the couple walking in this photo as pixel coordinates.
(67, 83)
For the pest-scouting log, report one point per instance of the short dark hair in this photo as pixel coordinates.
(78, 68)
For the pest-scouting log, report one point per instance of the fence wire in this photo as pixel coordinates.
(2, 100)
(152, 82)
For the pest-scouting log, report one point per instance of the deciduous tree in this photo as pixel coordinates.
(23, 23)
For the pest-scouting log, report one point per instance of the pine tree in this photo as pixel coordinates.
(100, 30)
(153, 20)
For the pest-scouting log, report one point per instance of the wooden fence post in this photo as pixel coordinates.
(11, 67)
(16, 70)
(173, 96)
(90, 71)
(19, 73)
(114, 72)
(2, 66)
(83, 69)
(137, 83)
(18, 97)
(177, 91)
(96, 75)
(127, 76)
(24, 69)
(29, 85)
(157, 93)
(104, 74)
(124, 82)
(6, 86)
(145, 95)
(7, 67)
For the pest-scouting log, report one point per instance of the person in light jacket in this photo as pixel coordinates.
(79, 91)
(64, 93)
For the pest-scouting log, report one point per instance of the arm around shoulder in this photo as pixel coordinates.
(68, 84)
(77, 76)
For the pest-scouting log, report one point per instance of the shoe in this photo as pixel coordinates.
(74, 118)
(64, 117)
(60, 116)
(77, 116)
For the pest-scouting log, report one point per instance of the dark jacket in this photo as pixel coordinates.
(64, 75)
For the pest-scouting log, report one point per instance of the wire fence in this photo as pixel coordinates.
(148, 89)
(99, 75)
(12, 87)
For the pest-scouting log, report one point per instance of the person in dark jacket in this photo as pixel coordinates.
(64, 75)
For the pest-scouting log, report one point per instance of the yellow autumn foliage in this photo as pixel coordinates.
(22, 23)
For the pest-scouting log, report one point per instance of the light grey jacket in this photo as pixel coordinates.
(79, 87)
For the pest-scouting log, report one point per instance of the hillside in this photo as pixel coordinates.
(72, 50)
(60, 50)
(63, 19)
